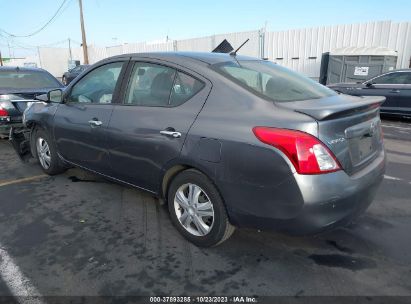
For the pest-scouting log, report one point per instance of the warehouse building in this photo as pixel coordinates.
(299, 49)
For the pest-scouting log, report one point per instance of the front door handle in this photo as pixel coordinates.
(394, 91)
(95, 123)
(173, 134)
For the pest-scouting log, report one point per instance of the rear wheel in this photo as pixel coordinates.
(47, 154)
(197, 209)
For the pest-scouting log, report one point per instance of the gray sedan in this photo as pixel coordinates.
(224, 140)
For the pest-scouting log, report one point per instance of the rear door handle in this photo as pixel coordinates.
(95, 123)
(173, 134)
(394, 91)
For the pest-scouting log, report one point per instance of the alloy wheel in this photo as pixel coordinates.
(43, 152)
(194, 210)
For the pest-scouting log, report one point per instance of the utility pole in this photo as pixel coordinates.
(1, 60)
(38, 54)
(71, 57)
(83, 33)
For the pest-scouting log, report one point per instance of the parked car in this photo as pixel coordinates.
(394, 85)
(18, 86)
(225, 140)
(73, 73)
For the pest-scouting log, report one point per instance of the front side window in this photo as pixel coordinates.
(97, 86)
(393, 78)
(272, 81)
(158, 85)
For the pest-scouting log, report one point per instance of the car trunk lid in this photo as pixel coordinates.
(349, 126)
(16, 102)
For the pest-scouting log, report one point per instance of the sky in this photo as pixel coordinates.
(112, 22)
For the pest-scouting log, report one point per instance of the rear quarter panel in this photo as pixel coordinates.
(253, 178)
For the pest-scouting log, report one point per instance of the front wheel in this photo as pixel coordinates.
(197, 209)
(47, 154)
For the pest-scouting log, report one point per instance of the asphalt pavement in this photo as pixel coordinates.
(78, 234)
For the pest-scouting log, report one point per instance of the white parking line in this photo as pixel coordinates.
(392, 177)
(20, 287)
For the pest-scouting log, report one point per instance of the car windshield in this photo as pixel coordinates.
(27, 80)
(272, 81)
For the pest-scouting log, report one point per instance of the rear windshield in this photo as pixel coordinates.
(272, 81)
(27, 80)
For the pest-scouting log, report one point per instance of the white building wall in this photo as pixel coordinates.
(202, 44)
(251, 48)
(298, 49)
(301, 49)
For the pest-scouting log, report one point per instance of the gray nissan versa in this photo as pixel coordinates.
(225, 140)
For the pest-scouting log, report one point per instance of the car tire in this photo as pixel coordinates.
(201, 218)
(46, 153)
(64, 80)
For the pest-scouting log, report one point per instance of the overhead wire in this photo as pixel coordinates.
(41, 28)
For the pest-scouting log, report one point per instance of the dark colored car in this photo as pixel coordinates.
(18, 86)
(225, 140)
(394, 85)
(73, 73)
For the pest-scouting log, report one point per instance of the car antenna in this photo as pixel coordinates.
(235, 52)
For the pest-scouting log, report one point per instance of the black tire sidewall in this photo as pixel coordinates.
(220, 215)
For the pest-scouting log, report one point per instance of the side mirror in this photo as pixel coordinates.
(55, 95)
(369, 84)
(52, 96)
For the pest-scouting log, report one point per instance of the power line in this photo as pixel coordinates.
(40, 29)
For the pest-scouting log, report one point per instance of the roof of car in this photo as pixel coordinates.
(21, 69)
(206, 57)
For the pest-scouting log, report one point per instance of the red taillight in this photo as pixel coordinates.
(307, 153)
(3, 112)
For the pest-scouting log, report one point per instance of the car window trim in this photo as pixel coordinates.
(127, 79)
(116, 93)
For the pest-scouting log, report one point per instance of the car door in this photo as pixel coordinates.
(388, 85)
(147, 131)
(80, 122)
(404, 102)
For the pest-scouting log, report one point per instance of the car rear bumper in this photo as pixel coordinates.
(327, 201)
(5, 127)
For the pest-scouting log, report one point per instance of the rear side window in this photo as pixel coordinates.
(272, 81)
(27, 80)
(184, 88)
(161, 86)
